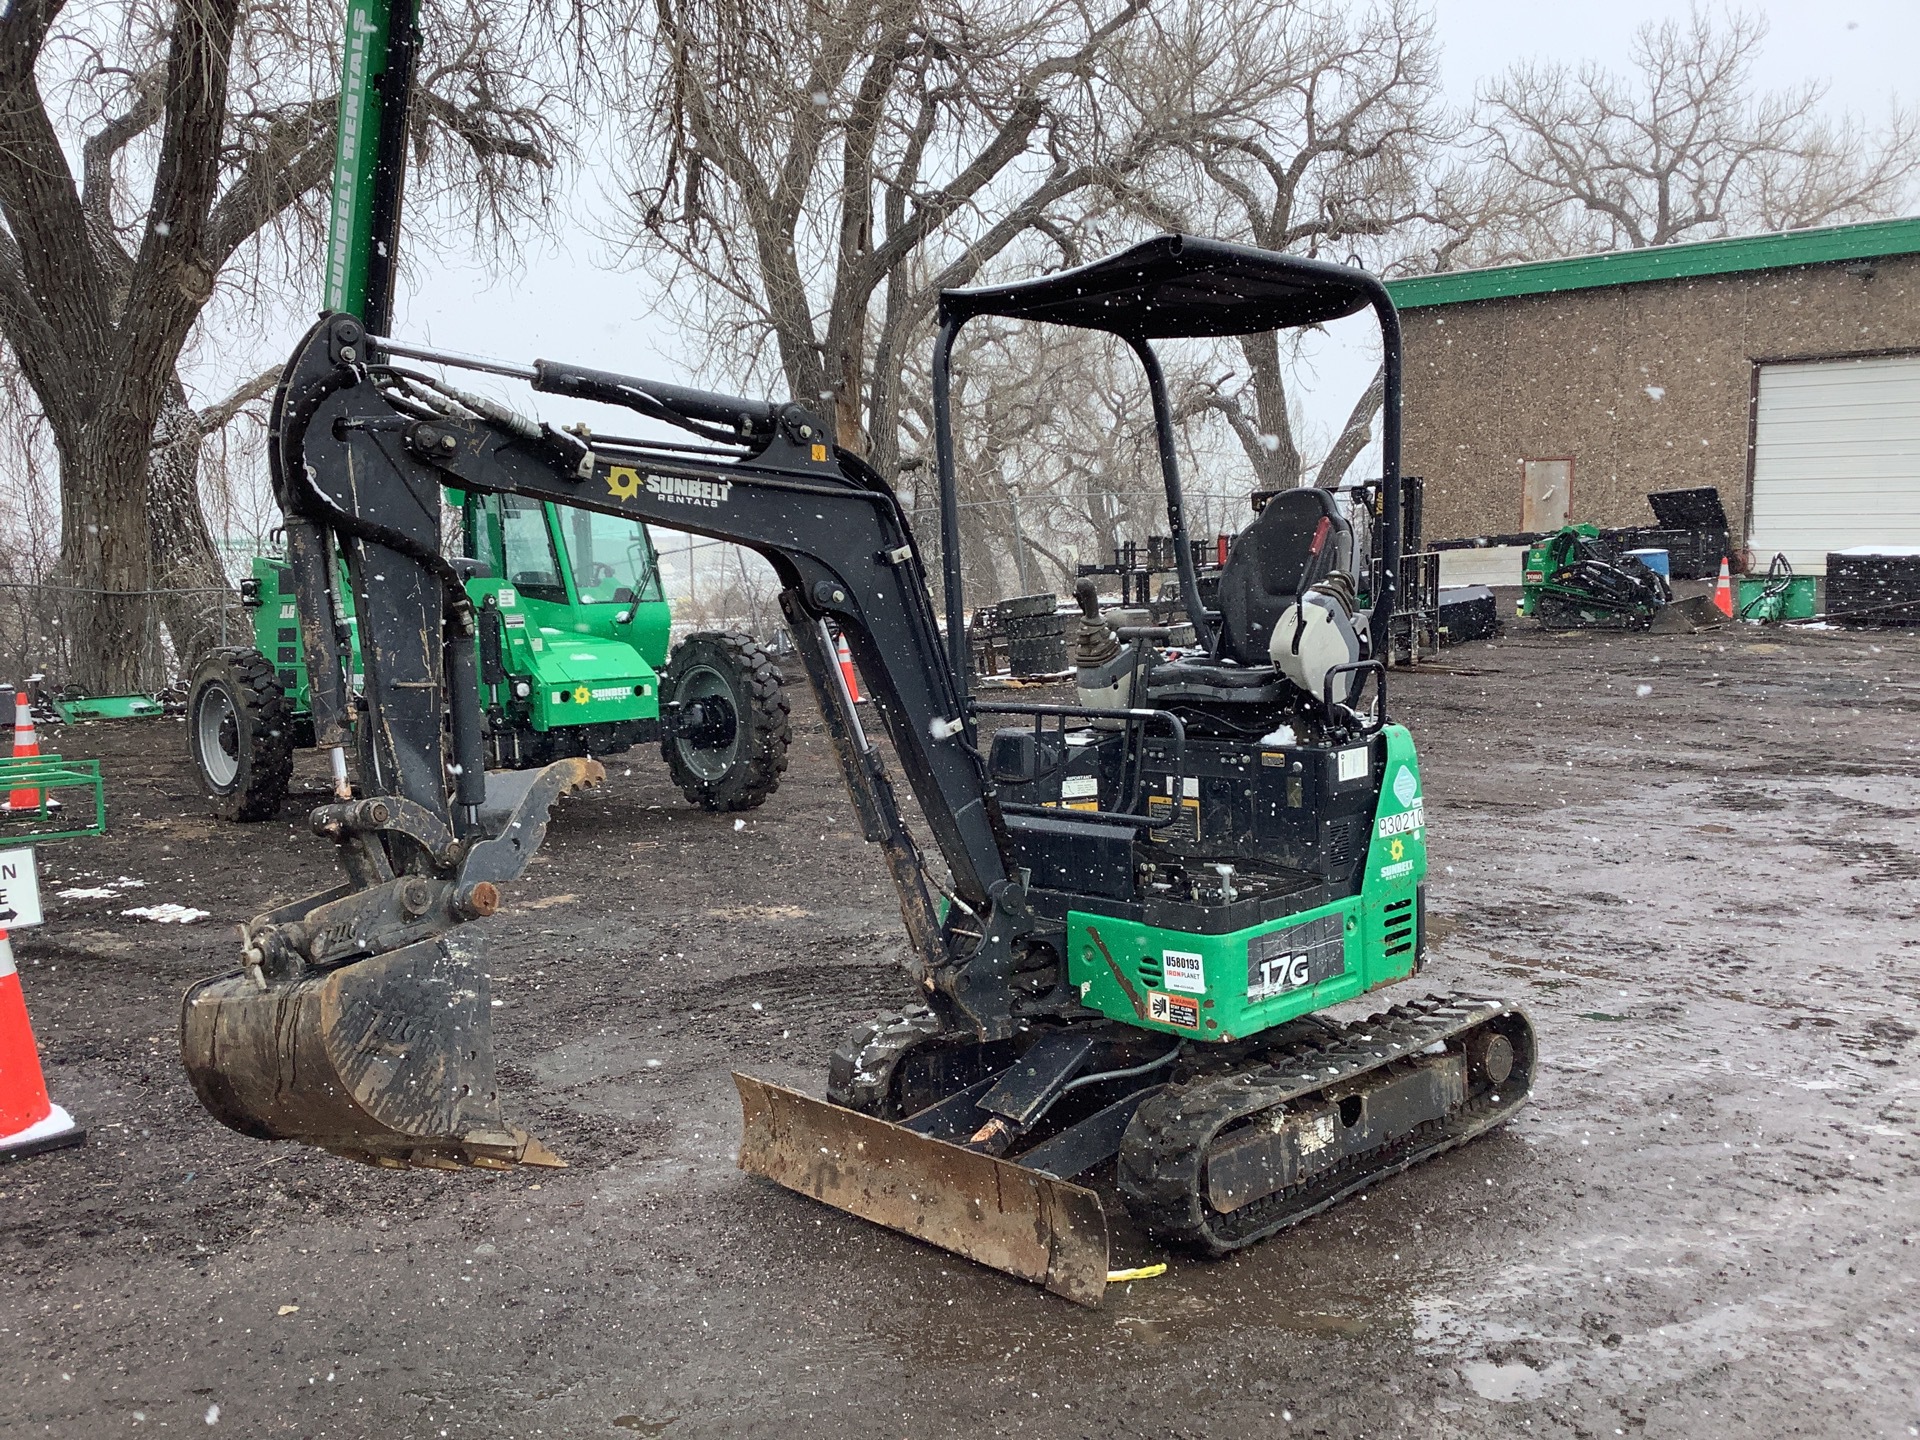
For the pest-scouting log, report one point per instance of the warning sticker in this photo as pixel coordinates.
(1295, 957)
(1184, 970)
(1175, 1010)
(1354, 763)
(1186, 824)
(1079, 787)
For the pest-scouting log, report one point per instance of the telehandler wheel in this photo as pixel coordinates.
(727, 729)
(239, 734)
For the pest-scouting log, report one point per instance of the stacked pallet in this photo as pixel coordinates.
(1874, 585)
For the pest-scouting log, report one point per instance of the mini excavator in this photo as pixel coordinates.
(1146, 898)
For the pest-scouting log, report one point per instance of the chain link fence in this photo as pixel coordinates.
(37, 625)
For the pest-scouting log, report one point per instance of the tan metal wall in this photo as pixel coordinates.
(1647, 387)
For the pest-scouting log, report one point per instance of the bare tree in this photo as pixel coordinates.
(1325, 155)
(205, 131)
(1684, 147)
(825, 170)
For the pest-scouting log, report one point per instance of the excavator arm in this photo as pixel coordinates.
(354, 1021)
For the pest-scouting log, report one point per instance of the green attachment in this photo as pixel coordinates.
(50, 798)
(1759, 597)
(108, 707)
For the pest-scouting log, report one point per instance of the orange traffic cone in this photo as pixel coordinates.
(29, 1122)
(1723, 591)
(847, 672)
(25, 744)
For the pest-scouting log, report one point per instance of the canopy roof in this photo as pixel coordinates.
(1177, 285)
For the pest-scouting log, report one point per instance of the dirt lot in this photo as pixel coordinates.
(1696, 861)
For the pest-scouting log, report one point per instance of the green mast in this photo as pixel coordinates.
(369, 169)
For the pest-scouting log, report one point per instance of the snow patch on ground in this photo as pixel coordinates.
(167, 914)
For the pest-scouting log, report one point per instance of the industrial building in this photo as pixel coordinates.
(1782, 369)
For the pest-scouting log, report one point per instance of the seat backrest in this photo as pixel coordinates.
(1298, 539)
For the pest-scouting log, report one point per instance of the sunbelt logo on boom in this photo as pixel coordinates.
(681, 491)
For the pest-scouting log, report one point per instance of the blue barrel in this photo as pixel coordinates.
(1654, 560)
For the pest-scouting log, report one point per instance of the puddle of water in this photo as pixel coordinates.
(1504, 1384)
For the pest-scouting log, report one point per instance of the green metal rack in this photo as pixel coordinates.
(70, 799)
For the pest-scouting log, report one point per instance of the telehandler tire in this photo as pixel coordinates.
(239, 734)
(726, 721)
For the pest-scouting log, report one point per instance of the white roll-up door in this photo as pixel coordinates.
(1836, 459)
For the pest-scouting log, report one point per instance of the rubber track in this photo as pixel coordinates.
(768, 730)
(1162, 1164)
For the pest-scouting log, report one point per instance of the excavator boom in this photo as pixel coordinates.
(350, 1023)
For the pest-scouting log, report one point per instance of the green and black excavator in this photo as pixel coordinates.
(1148, 898)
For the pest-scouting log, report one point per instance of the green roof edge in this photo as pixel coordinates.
(1779, 250)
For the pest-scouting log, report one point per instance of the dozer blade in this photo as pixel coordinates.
(387, 1060)
(1685, 617)
(992, 1211)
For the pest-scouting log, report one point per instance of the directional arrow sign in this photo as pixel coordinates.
(19, 889)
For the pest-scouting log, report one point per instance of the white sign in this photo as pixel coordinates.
(1185, 970)
(19, 889)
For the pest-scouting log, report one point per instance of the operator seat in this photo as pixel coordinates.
(1299, 540)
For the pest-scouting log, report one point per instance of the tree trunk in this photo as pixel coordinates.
(184, 555)
(1355, 435)
(104, 551)
(1276, 459)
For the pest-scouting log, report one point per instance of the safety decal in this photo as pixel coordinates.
(1354, 762)
(1186, 824)
(1406, 785)
(1175, 1010)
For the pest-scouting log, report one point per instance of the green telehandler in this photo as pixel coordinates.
(573, 626)
(574, 660)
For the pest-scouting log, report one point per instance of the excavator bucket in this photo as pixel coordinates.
(388, 1060)
(991, 1211)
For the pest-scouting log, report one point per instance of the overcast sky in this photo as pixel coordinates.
(566, 305)
(567, 302)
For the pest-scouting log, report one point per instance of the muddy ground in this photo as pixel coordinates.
(1696, 862)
